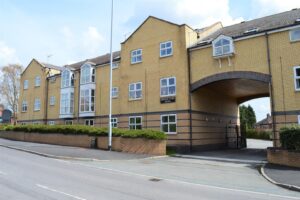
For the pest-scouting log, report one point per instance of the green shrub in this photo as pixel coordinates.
(87, 130)
(290, 138)
(262, 135)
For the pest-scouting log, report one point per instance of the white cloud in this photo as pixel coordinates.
(266, 7)
(205, 12)
(7, 54)
(92, 40)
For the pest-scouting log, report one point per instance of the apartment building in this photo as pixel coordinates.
(186, 82)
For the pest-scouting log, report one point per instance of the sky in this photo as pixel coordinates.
(66, 31)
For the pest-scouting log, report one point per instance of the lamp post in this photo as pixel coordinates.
(110, 78)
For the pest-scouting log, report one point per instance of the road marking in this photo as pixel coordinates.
(188, 183)
(60, 192)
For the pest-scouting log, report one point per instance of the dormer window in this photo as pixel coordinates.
(67, 79)
(223, 46)
(87, 74)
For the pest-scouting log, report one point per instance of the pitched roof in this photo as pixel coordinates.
(50, 66)
(100, 60)
(272, 22)
(165, 21)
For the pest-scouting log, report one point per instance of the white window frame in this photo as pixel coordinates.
(69, 122)
(115, 92)
(114, 122)
(67, 103)
(51, 123)
(291, 32)
(87, 74)
(230, 46)
(296, 78)
(87, 122)
(24, 106)
(37, 104)
(36, 123)
(67, 79)
(52, 101)
(135, 54)
(134, 124)
(86, 94)
(25, 84)
(165, 49)
(135, 91)
(37, 81)
(168, 123)
(167, 86)
(115, 65)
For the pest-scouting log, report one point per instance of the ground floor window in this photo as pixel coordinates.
(297, 78)
(69, 122)
(299, 119)
(169, 123)
(23, 123)
(135, 122)
(51, 123)
(36, 123)
(114, 122)
(89, 122)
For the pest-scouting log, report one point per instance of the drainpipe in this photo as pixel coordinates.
(271, 90)
(46, 98)
(190, 99)
(78, 96)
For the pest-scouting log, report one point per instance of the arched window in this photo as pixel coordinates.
(223, 46)
(67, 79)
(87, 74)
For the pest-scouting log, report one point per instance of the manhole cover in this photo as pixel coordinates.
(155, 179)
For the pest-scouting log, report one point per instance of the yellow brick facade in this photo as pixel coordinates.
(206, 117)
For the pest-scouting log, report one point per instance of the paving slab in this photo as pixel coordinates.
(70, 152)
(283, 175)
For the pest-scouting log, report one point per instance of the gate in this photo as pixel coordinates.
(235, 137)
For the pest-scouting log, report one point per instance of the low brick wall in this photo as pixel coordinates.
(129, 145)
(283, 157)
(134, 145)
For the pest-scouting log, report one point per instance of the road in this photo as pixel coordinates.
(25, 176)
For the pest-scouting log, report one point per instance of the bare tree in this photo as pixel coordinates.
(10, 86)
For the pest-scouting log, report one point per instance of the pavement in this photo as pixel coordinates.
(31, 177)
(65, 152)
(287, 177)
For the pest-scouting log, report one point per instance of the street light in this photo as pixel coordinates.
(110, 78)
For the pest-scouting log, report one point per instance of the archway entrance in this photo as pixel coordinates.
(215, 107)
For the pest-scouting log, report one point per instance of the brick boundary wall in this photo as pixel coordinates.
(129, 145)
(283, 157)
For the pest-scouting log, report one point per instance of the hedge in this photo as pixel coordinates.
(290, 138)
(87, 130)
(263, 135)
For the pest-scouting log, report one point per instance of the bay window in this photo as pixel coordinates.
(87, 74)
(67, 79)
(67, 103)
(87, 100)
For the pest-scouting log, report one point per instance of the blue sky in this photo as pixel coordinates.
(73, 30)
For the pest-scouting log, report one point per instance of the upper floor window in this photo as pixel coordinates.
(25, 85)
(135, 91)
(67, 103)
(37, 81)
(37, 104)
(87, 100)
(67, 79)
(297, 78)
(295, 35)
(168, 86)
(24, 106)
(166, 49)
(115, 65)
(222, 46)
(115, 92)
(136, 56)
(52, 100)
(87, 74)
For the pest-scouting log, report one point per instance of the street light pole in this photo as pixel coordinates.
(110, 79)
